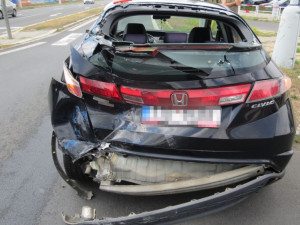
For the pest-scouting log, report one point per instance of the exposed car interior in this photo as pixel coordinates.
(142, 29)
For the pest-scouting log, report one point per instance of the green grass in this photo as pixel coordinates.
(295, 91)
(180, 24)
(59, 23)
(263, 33)
(297, 139)
(293, 73)
(295, 97)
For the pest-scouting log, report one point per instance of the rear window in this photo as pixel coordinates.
(158, 25)
(168, 47)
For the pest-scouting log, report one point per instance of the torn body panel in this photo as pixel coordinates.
(83, 126)
(110, 144)
(70, 122)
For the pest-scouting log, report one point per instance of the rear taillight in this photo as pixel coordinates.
(269, 88)
(219, 96)
(72, 84)
(200, 97)
(99, 88)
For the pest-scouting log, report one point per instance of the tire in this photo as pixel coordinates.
(14, 14)
(1, 15)
(73, 170)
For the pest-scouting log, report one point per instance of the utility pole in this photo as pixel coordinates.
(3, 3)
(20, 3)
(287, 37)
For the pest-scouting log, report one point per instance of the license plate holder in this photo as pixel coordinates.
(208, 116)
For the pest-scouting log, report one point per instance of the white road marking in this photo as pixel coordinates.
(56, 14)
(68, 39)
(4, 28)
(22, 48)
(83, 24)
(28, 16)
(58, 8)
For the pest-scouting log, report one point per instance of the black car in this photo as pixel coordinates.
(167, 97)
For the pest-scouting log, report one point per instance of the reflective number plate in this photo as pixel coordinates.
(200, 117)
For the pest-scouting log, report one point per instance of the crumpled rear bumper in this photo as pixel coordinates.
(192, 209)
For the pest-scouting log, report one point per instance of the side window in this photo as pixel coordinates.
(214, 28)
(236, 36)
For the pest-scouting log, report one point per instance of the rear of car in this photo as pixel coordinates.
(171, 97)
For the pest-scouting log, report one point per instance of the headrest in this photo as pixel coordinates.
(135, 28)
(136, 38)
(175, 37)
(199, 35)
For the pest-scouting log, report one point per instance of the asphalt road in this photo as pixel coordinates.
(261, 25)
(31, 16)
(33, 193)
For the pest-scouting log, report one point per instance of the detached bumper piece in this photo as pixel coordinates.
(181, 212)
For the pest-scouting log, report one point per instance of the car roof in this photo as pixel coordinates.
(172, 2)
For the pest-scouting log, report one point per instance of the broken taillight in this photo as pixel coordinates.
(72, 84)
(269, 88)
(99, 88)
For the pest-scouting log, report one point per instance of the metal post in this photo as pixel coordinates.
(20, 3)
(256, 10)
(287, 37)
(59, 1)
(3, 3)
(275, 9)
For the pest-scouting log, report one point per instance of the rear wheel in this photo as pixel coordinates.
(73, 170)
(1, 15)
(14, 14)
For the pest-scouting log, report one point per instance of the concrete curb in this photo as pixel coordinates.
(39, 37)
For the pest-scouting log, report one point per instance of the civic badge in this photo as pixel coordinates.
(179, 99)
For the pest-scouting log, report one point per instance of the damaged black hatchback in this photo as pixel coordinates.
(167, 97)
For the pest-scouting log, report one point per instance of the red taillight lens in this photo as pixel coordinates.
(269, 88)
(200, 97)
(99, 88)
(72, 84)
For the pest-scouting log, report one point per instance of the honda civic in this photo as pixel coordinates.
(165, 97)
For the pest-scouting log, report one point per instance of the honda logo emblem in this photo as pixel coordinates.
(179, 99)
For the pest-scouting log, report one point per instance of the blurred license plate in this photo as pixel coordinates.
(201, 117)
